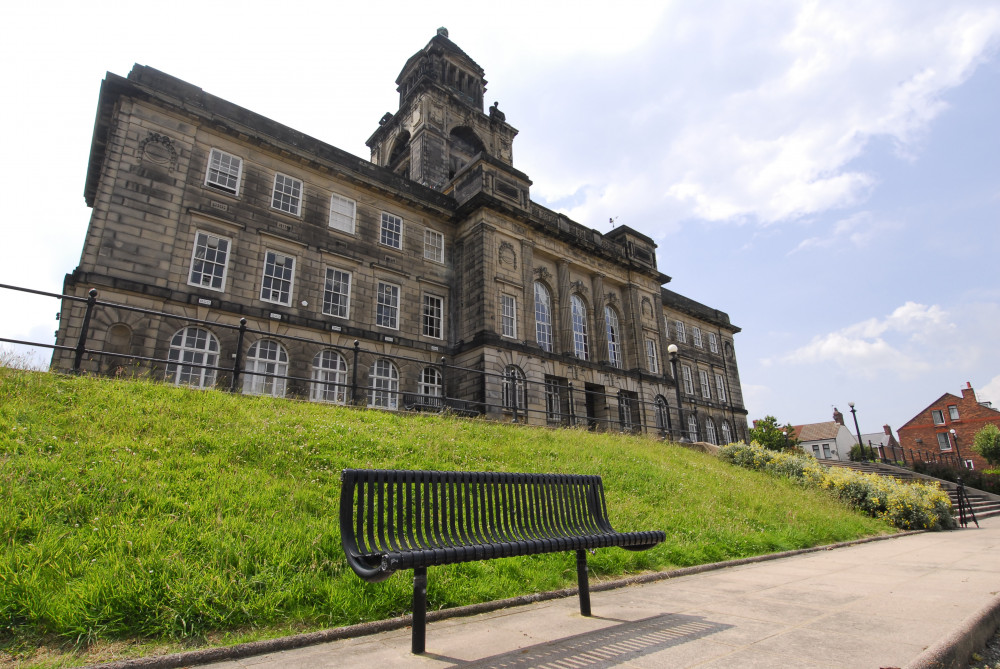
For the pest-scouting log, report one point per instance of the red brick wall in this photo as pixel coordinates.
(972, 416)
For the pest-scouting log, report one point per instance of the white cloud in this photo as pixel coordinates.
(990, 392)
(914, 339)
(743, 117)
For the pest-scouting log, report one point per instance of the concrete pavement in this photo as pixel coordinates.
(878, 604)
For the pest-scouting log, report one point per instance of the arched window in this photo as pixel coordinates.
(727, 437)
(329, 375)
(267, 365)
(385, 385)
(193, 346)
(692, 427)
(661, 414)
(581, 344)
(513, 388)
(710, 431)
(543, 317)
(614, 337)
(429, 387)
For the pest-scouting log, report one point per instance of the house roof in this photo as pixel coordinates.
(817, 431)
(875, 438)
(945, 399)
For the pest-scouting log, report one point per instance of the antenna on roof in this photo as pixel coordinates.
(612, 221)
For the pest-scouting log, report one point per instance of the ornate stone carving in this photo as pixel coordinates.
(612, 297)
(158, 149)
(507, 255)
(543, 273)
(579, 286)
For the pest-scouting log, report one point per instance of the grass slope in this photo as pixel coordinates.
(135, 510)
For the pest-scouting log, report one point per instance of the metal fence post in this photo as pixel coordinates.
(572, 410)
(354, 373)
(444, 385)
(238, 363)
(81, 345)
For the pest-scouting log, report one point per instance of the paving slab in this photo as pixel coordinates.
(876, 604)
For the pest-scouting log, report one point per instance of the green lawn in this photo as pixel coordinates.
(134, 513)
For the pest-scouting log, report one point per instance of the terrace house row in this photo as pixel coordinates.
(432, 250)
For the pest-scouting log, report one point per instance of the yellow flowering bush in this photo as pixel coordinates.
(908, 506)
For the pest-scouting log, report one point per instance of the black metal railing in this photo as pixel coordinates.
(550, 402)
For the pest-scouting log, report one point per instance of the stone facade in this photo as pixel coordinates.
(431, 250)
(929, 432)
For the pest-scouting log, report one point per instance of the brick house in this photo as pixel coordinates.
(430, 250)
(930, 431)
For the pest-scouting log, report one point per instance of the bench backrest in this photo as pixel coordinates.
(395, 511)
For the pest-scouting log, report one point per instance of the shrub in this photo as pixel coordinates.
(907, 506)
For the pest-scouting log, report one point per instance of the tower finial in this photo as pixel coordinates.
(442, 31)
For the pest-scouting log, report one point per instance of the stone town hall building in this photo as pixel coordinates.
(433, 249)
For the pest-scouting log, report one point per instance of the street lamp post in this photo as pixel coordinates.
(954, 435)
(672, 351)
(854, 414)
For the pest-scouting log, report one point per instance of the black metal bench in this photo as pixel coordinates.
(392, 520)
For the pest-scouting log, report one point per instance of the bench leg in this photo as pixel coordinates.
(419, 634)
(583, 582)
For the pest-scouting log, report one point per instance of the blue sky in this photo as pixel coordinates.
(826, 173)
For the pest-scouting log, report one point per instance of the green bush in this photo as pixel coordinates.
(908, 506)
(987, 480)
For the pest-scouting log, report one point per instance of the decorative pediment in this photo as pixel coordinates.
(579, 286)
(612, 297)
(543, 273)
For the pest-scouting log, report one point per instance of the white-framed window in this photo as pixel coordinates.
(391, 231)
(385, 385)
(680, 332)
(727, 436)
(581, 342)
(329, 378)
(706, 388)
(508, 316)
(953, 412)
(710, 430)
(433, 245)
(287, 194)
(688, 381)
(720, 388)
(652, 359)
(543, 317)
(692, 427)
(713, 343)
(513, 388)
(209, 261)
(614, 337)
(343, 213)
(433, 316)
(387, 306)
(266, 367)
(189, 347)
(944, 441)
(696, 336)
(429, 386)
(279, 273)
(938, 416)
(661, 414)
(337, 293)
(224, 171)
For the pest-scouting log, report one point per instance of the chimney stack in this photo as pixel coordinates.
(968, 393)
(837, 416)
(888, 430)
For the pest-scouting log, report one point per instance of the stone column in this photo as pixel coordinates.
(565, 318)
(599, 338)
